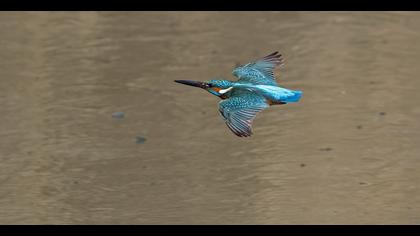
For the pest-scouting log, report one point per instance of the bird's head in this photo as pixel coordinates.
(215, 87)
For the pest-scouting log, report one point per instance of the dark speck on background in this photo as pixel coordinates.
(302, 165)
(327, 149)
(140, 139)
(118, 115)
(382, 113)
(359, 127)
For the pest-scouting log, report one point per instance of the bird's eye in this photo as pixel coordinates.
(209, 85)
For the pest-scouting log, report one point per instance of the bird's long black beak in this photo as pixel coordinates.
(193, 83)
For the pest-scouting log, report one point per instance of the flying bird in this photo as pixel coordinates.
(255, 90)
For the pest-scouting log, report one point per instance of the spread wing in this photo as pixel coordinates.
(240, 110)
(260, 71)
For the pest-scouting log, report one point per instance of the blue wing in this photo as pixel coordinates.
(260, 71)
(240, 110)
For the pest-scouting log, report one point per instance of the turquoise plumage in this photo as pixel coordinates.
(255, 90)
(259, 72)
(240, 109)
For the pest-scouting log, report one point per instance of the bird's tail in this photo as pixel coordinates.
(294, 97)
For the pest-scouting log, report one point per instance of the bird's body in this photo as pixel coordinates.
(273, 94)
(255, 90)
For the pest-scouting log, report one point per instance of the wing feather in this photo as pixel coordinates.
(260, 71)
(240, 110)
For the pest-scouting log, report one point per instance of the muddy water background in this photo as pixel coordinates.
(348, 153)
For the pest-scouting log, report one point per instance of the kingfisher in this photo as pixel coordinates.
(255, 90)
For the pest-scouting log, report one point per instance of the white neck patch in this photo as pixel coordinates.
(222, 91)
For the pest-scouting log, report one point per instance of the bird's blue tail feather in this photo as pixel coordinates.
(293, 98)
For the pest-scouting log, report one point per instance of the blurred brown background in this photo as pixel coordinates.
(348, 153)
